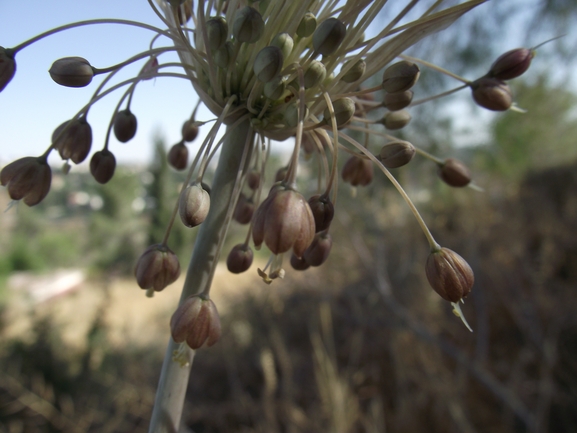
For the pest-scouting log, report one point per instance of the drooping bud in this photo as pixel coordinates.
(275, 88)
(223, 55)
(27, 179)
(244, 209)
(492, 94)
(454, 173)
(328, 36)
(396, 154)
(239, 259)
(253, 180)
(400, 76)
(157, 268)
(355, 72)
(394, 120)
(284, 42)
(189, 130)
(280, 174)
(268, 63)
(248, 25)
(299, 263)
(512, 64)
(217, 32)
(318, 252)
(358, 171)
(7, 66)
(398, 100)
(323, 211)
(307, 26)
(344, 110)
(178, 156)
(193, 205)
(449, 274)
(73, 141)
(196, 321)
(315, 73)
(72, 72)
(125, 125)
(102, 166)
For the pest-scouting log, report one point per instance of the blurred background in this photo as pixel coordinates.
(360, 344)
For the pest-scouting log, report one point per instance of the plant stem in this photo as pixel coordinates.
(173, 382)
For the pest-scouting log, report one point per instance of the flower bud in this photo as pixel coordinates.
(239, 259)
(268, 63)
(7, 66)
(102, 166)
(248, 25)
(217, 32)
(244, 210)
(396, 154)
(396, 119)
(358, 171)
(291, 114)
(275, 88)
(73, 141)
(454, 173)
(355, 72)
(512, 64)
(196, 321)
(284, 221)
(318, 252)
(307, 26)
(193, 205)
(284, 42)
(125, 125)
(189, 130)
(280, 174)
(223, 55)
(299, 263)
(398, 100)
(449, 274)
(492, 94)
(323, 211)
(178, 156)
(27, 178)
(72, 72)
(315, 73)
(328, 36)
(157, 268)
(344, 109)
(400, 77)
(253, 179)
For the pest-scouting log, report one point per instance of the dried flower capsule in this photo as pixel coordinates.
(217, 32)
(189, 130)
(394, 120)
(323, 211)
(275, 88)
(102, 166)
(449, 274)
(318, 252)
(27, 179)
(157, 268)
(328, 36)
(239, 259)
(7, 66)
(72, 72)
(358, 171)
(223, 55)
(244, 209)
(193, 205)
(73, 141)
(268, 63)
(196, 321)
(178, 156)
(344, 110)
(512, 64)
(284, 42)
(248, 25)
(315, 73)
(398, 100)
(355, 72)
(284, 221)
(454, 173)
(400, 76)
(492, 94)
(125, 125)
(396, 154)
(307, 26)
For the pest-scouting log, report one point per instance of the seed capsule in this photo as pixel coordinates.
(125, 125)
(323, 211)
(318, 252)
(344, 110)
(72, 72)
(102, 166)
(196, 321)
(275, 88)
(157, 268)
(358, 171)
(454, 173)
(307, 26)
(178, 156)
(268, 63)
(27, 179)
(328, 36)
(217, 32)
(189, 130)
(253, 180)
(492, 94)
(284, 42)
(248, 25)
(244, 210)
(396, 154)
(315, 73)
(73, 141)
(239, 259)
(398, 100)
(291, 114)
(400, 76)
(193, 205)
(449, 274)
(394, 120)
(512, 64)
(355, 72)
(299, 264)
(7, 66)
(223, 55)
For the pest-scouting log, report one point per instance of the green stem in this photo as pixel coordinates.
(173, 382)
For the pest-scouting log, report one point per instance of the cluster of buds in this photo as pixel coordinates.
(284, 70)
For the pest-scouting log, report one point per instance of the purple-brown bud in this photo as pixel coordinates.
(492, 94)
(7, 66)
(178, 156)
(358, 171)
(449, 274)
(125, 125)
(193, 205)
(318, 252)
(323, 211)
(196, 321)
(512, 64)
(299, 264)
(454, 173)
(189, 130)
(400, 76)
(280, 174)
(73, 140)
(157, 268)
(239, 259)
(244, 210)
(72, 72)
(102, 165)
(27, 179)
(396, 153)
(253, 180)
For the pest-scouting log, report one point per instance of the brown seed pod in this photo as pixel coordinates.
(454, 173)
(239, 259)
(492, 94)
(344, 110)
(125, 125)
(253, 179)
(7, 66)
(394, 120)
(449, 274)
(396, 153)
(217, 31)
(323, 211)
(512, 64)
(318, 252)
(284, 42)
(193, 205)
(307, 26)
(72, 72)
(299, 264)
(398, 100)
(244, 210)
(355, 72)
(27, 179)
(196, 321)
(178, 156)
(358, 171)
(328, 36)
(157, 268)
(73, 141)
(102, 166)
(400, 76)
(189, 130)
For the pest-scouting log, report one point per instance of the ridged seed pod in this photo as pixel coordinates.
(492, 94)
(328, 36)
(217, 32)
(223, 55)
(512, 64)
(449, 275)
(125, 125)
(248, 25)
(268, 63)
(355, 72)
(193, 205)
(157, 268)
(315, 73)
(398, 100)
(27, 179)
(400, 76)
(239, 259)
(102, 166)
(196, 321)
(307, 26)
(396, 154)
(394, 120)
(344, 110)
(72, 72)
(323, 211)
(284, 42)
(7, 66)
(454, 173)
(178, 156)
